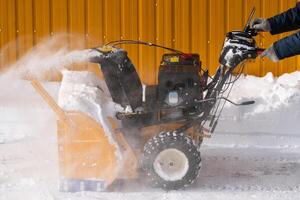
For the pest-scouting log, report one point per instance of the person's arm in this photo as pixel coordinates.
(288, 46)
(286, 21)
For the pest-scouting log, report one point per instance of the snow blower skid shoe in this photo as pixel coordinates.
(92, 153)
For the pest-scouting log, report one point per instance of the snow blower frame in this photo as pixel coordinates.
(170, 122)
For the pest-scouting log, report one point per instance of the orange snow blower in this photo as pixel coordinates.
(169, 120)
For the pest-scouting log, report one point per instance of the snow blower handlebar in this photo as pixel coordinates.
(238, 47)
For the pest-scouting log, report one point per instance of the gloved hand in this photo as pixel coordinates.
(270, 53)
(261, 25)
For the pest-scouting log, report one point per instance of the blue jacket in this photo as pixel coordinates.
(284, 22)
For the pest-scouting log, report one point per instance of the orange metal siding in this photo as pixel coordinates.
(189, 25)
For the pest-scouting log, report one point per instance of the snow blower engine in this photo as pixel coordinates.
(175, 98)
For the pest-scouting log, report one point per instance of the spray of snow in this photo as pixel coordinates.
(28, 126)
(49, 57)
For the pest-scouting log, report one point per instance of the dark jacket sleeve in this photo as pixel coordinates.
(288, 46)
(286, 21)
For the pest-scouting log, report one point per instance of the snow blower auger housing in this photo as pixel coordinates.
(169, 120)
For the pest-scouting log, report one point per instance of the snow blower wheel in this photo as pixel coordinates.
(171, 160)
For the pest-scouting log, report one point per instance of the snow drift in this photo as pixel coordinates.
(269, 92)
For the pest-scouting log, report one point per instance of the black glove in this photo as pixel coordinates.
(261, 25)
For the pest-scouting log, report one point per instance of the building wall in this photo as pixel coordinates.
(188, 25)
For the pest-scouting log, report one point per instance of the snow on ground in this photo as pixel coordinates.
(254, 154)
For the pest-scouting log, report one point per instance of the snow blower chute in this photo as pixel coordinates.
(169, 123)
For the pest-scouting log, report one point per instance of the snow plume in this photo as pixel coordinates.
(49, 57)
(269, 93)
(27, 125)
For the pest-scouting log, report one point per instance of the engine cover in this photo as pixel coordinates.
(179, 83)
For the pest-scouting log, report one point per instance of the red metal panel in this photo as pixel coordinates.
(147, 33)
(41, 19)
(24, 26)
(200, 29)
(59, 16)
(164, 28)
(112, 16)
(76, 24)
(270, 8)
(183, 25)
(10, 50)
(254, 67)
(217, 32)
(129, 28)
(94, 29)
(3, 31)
(94, 26)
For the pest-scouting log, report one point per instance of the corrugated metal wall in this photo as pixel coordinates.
(189, 25)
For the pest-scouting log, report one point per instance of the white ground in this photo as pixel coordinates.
(254, 154)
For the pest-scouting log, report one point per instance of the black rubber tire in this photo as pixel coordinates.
(168, 140)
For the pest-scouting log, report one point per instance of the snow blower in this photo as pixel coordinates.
(170, 119)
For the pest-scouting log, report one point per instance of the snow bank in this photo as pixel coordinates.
(270, 93)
